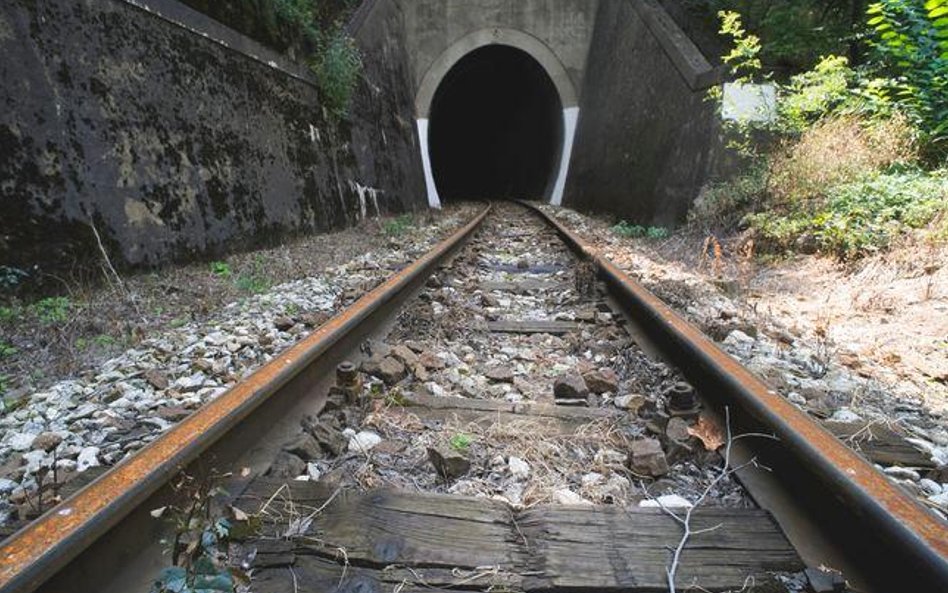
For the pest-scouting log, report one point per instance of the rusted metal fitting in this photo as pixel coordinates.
(682, 400)
(346, 374)
(348, 383)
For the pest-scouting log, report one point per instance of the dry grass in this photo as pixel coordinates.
(553, 458)
(839, 150)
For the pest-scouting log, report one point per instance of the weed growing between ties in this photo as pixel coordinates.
(198, 546)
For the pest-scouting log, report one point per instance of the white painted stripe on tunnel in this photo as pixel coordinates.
(570, 117)
(433, 200)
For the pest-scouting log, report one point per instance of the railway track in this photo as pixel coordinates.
(522, 420)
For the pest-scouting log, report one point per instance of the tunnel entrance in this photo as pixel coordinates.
(496, 127)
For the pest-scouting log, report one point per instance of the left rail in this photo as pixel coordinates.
(38, 551)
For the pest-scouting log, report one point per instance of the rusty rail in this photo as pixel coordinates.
(39, 550)
(893, 538)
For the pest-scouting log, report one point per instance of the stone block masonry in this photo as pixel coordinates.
(176, 137)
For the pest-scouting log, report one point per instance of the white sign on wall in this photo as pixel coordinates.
(749, 102)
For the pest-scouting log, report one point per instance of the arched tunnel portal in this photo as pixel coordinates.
(497, 116)
(495, 127)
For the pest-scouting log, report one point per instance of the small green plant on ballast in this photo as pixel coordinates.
(461, 442)
(626, 229)
(52, 310)
(221, 269)
(255, 281)
(198, 547)
(398, 225)
(7, 349)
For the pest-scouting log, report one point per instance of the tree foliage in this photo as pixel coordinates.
(309, 30)
(910, 40)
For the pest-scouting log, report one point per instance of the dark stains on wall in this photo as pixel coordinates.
(175, 146)
(644, 135)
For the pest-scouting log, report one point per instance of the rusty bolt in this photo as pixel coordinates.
(682, 400)
(346, 374)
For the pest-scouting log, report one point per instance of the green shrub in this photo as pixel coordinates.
(221, 269)
(724, 203)
(11, 278)
(461, 442)
(398, 225)
(52, 310)
(7, 349)
(860, 217)
(793, 33)
(8, 314)
(811, 95)
(337, 65)
(626, 229)
(911, 44)
(656, 232)
(252, 283)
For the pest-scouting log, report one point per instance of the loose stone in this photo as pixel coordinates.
(88, 457)
(647, 458)
(364, 442)
(570, 386)
(677, 429)
(566, 496)
(156, 379)
(303, 446)
(633, 402)
(602, 381)
(286, 465)
(405, 355)
(519, 469)
(388, 369)
(503, 374)
(449, 463)
(669, 501)
(47, 441)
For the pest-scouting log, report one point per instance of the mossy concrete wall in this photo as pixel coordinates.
(176, 137)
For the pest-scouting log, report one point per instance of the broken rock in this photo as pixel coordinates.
(602, 381)
(364, 442)
(502, 374)
(332, 441)
(647, 458)
(47, 441)
(570, 386)
(156, 379)
(677, 430)
(519, 469)
(286, 465)
(388, 369)
(303, 446)
(632, 402)
(567, 496)
(88, 457)
(405, 355)
(431, 361)
(448, 462)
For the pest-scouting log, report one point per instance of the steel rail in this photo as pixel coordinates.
(35, 553)
(910, 543)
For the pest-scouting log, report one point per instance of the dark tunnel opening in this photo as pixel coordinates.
(495, 127)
